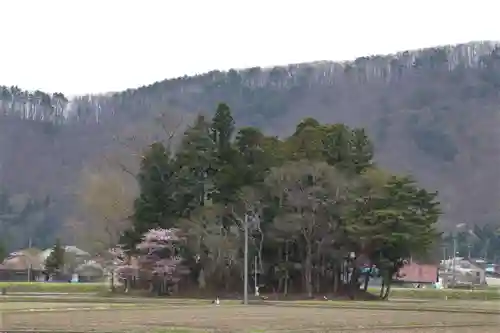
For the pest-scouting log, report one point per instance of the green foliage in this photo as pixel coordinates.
(3, 251)
(227, 161)
(158, 203)
(401, 223)
(318, 196)
(194, 164)
(347, 149)
(55, 261)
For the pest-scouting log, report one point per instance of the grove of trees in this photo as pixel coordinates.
(21, 218)
(317, 207)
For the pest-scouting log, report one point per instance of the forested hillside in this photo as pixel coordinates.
(434, 113)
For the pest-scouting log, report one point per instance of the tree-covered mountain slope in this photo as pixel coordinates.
(434, 113)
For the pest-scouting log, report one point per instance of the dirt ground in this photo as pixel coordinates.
(239, 318)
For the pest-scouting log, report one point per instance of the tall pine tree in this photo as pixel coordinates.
(55, 261)
(157, 205)
(227, 160)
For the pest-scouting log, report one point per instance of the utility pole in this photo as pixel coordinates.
(29, 267)
(454, 260)
(245, 262)
(486, 249)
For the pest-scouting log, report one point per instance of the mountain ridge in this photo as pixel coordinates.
(470, 52)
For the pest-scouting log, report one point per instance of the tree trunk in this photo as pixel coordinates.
(319, 269)
(287, 274)
(367, 280)
(387, 292)
(336, 278)
(318, 280)
(112, 281)
(382, 288)
(308, 270)
(386, 282)
(353, 282)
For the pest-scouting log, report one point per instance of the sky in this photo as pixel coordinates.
(95, 46)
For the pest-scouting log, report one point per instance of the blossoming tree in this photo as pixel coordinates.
(156, 263)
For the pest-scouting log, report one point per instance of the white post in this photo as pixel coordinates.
(256, 285)
(245, 263)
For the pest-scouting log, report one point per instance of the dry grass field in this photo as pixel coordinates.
(384, 317)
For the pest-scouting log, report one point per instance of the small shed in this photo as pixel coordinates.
(418, 273)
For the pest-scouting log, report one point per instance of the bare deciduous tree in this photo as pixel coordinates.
(106, 196)
(305, 190)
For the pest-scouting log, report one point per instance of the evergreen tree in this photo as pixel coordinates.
(394, 224)
(158, 203)
(361, 151)
(227, 160)
(55, 261)
(257, 156)
(222, 127)
(194, 160)
(3, 251)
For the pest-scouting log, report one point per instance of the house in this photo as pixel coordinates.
(23, 259)
(418, 273)
(461, 271)
(20, 264)
(492, 275)
(89, 271)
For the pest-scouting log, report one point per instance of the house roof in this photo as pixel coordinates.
(30, 251)
(69, 248)
(22, 262)
(90, 269)
(34, 258)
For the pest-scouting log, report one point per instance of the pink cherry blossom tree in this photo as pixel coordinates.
(157, 260)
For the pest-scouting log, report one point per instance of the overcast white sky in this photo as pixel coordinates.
(83, 46)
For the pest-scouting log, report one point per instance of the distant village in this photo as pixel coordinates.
(29, 265)
(80, 267)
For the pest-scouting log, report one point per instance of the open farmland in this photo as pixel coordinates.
(270, 317)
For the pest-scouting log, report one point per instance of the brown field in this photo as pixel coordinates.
(253, 318)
